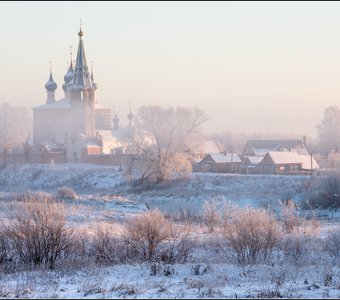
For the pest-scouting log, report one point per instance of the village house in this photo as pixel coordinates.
(261, 147)
(250, 164)
(285, 162)
(220, 162)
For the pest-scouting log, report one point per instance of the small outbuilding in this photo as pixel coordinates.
(220, 162)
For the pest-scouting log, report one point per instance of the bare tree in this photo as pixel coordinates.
(14, 129)
(163, 143)
(329, 130)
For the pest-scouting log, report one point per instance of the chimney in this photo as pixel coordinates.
(304, 139)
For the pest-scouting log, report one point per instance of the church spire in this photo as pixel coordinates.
(130, 116)
(94, 84)
(69, 74)
(81, 78)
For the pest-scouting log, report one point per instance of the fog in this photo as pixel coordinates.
(252, 67)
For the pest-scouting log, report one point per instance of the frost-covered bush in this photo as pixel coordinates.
(66, 192)
(150, 236)
(328, 194)
(211, 217)
(106, 246)
(4, 246)
(289, 216)
(37, 232)
(33, 196)
(252, 234)
(332, 244)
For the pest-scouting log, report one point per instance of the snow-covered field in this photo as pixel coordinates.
(104, 196)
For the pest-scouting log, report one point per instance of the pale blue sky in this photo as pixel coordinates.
(252, 66)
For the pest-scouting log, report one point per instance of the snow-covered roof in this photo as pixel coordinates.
(306, 162)
(210, 146)
(254, 160)
(301, 151)
(62, 103)
(222, 158)
(49, 145)
(286, 157)
(262, 151)
(65, 103)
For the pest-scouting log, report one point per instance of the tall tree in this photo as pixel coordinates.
(163, 142)
(329, 130)
(15, 126)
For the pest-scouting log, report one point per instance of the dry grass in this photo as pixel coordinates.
(252, 234)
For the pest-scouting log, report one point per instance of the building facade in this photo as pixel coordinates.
(74, 121)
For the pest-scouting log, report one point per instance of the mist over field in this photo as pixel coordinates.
(170, 150)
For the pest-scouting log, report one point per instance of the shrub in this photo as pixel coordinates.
(211, 217)
(328, 195)
(4, 247)
(290, 219)
(66, 192)
(145, 233)
(37, 232)
(149, 236)
(332, 244)
(252, 234)
(33, 196)
(178, 246)
(106, 246)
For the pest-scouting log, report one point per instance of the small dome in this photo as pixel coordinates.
(69, 75)
(50, 85)
(94, 84)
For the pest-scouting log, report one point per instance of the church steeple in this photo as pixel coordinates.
(50, 86)
(81, 77)
(94, 84)
(130, 116)
(68, 76)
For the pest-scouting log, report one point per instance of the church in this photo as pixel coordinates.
(77, 122)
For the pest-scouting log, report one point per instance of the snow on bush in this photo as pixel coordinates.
(37, 233)
(150, 236)
(66, 192)
(252, 234)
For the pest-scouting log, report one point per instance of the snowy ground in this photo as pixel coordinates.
(178, 281)
(104, 196)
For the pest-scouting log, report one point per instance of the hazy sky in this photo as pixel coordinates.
(252, 66)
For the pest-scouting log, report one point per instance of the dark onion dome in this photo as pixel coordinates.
(69, 74)
(50, 85)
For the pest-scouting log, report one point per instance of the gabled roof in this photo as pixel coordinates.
(210, 146)
(222, 158)
(65, 103)
(275, 143)
(254, 160)
(286, 157)
(62, 103)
